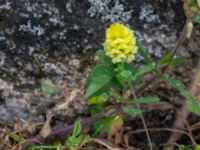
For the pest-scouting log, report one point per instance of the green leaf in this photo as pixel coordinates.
(109, 124)
(96, 109)
(72, 142)
(194, 106)
(188, 95)
(187, 148)
(101, 54)
(166, 58)
(99, 124)
(133, 69)
(83, 139)
(147, 100)
(106, 60)
(130, 67)
(97, 130)
(144, 70)
(198, 147)
(99, 79)
(48, 88)
(98, 84)
(124, 76)
(192, 3)
(98, 99)
(115, 83)
(16, 138)
(47, 147)
(197, 18)
(99, 70)
(117, 97)
(143, 53)
(176, 62)
(132, 111)
(77, 129)
(175, 83)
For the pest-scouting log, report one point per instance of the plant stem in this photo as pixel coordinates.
(58, 131)
(46, 147)
(143, 121)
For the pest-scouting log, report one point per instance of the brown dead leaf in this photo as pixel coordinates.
(46, 129)
(118, 138)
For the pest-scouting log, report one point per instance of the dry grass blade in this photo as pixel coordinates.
(105, 143)
(164, 129)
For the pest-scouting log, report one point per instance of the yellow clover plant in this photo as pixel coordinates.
(120, 43)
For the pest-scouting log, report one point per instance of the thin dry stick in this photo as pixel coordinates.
(164, 129)
(190, 131)
(153, 77)
(178, 124)
(195, 126)
(64, 130)
(143, 121)
(102, 142)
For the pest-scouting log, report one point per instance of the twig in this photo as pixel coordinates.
(178, 124)
(163, 129)
(148, 81)
(143, 121)
(195, 126)
(153, 77)
(190, 131)
(104, 143)
(181, 39)
(58, 131)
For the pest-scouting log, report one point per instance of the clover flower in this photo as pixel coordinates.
(120, 43)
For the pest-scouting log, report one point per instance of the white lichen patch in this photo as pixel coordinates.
(2, 38)
(116, 13)
(35, 30)
(157, 40)
(57, 68)
(2, 59)
(147, 14)
(6, 6)
(5, 88)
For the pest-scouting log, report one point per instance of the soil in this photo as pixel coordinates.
(56, 40)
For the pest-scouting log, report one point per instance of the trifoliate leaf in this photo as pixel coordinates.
(99, 70)
(98, 84)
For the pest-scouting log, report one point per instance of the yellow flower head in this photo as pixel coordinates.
(120, 43)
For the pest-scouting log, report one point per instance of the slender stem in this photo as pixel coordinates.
(152, 78)
(47, 147)
(181, 39)
(143, 121)
(57, 131)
